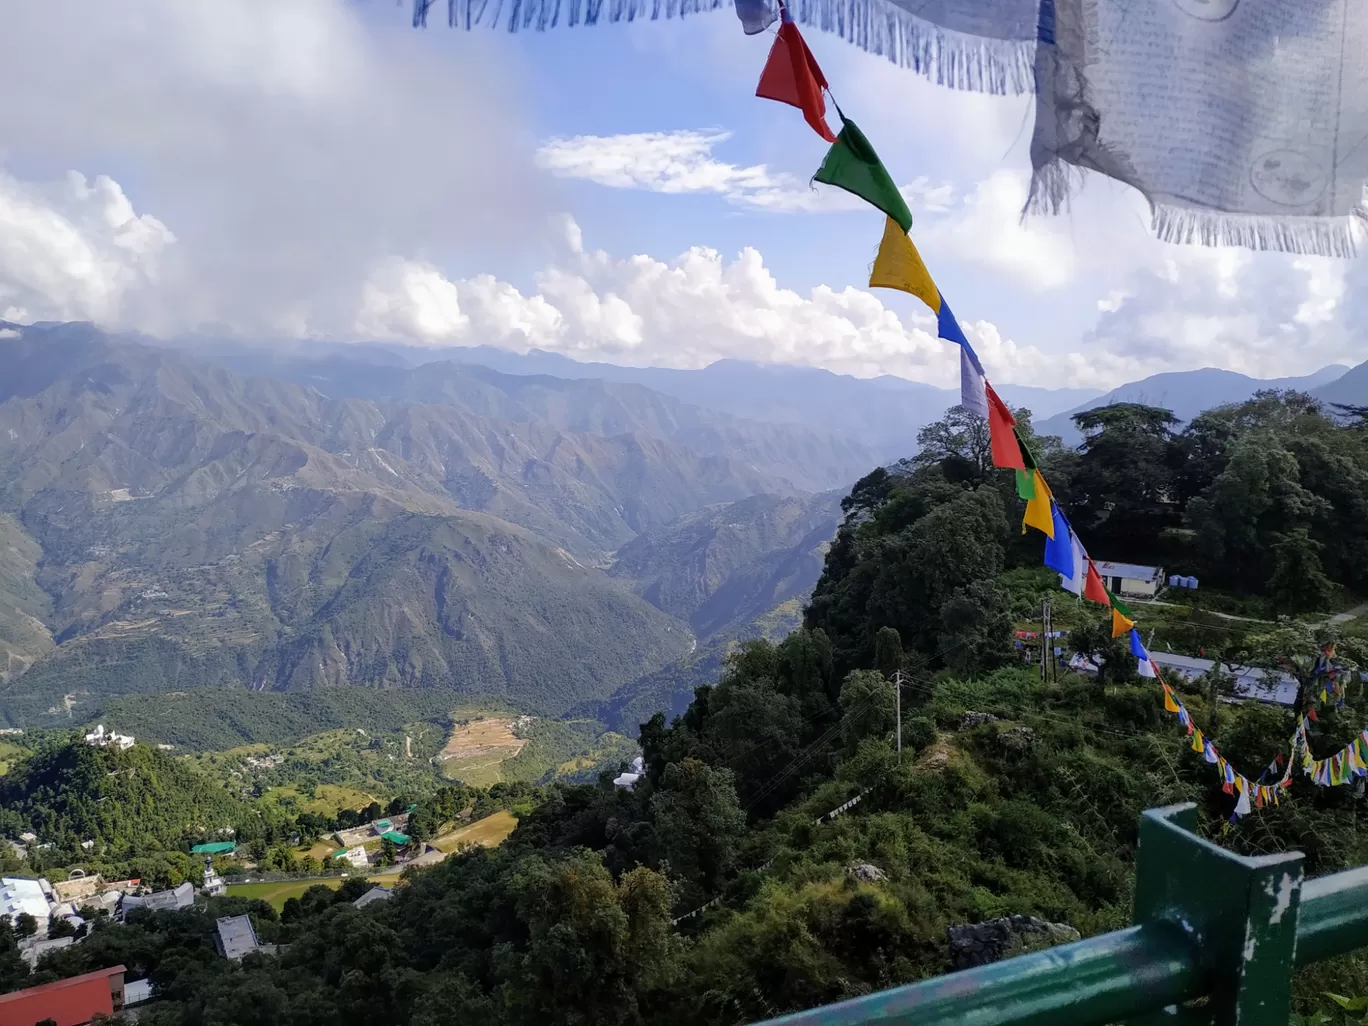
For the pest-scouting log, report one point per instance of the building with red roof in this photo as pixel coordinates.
(72, 1002)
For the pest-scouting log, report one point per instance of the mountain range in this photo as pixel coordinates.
(210, 512)
(1188, 393)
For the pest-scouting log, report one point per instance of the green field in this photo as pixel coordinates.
(276, 894)
(489, 832)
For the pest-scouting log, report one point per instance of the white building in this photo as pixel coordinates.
(629, 779)
(214, 885)
(19, 895)
(101, 738)
(354, 857)
(1132, 579)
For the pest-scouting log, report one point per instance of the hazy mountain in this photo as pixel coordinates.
(728, 565)
(168, 524)
(882, 415)
(799, 454)
(1186, 393)
(1350, 388)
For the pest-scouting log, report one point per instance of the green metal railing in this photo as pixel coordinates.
(1211, 925)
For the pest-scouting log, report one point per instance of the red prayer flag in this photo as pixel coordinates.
(1093, 588)
(1006, 451)
(791, 76)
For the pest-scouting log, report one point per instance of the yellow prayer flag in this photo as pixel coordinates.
(1120, 624)
(899, 266)
(1169, 703)
(1038, 510)
(1197, 739)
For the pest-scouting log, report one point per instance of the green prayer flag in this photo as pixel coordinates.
(851, 164)
(1025, 480)
(1027, 457)
(1118, 605)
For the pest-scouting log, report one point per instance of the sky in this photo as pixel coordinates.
(319, 168)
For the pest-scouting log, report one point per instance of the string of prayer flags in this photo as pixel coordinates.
(1002, 433)
(792, 76)
(899, 266)
(851, 164)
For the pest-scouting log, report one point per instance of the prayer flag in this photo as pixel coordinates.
(1073, 582)
(755, 15)
(1120, 623)
(1242, 806)
(973, 385)
(1038, 508)
(1059, 553)
(1198, 741)
(851, 164)
(1006, 451)
(792, 76)
(1137, 646)
(1145, 668)
(899, 266)
(1169, 703)
(1210, 753)
(1093, 588)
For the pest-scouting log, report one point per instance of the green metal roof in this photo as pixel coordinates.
(395, 836)
(214, 848)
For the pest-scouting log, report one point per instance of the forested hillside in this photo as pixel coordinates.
(719, 891)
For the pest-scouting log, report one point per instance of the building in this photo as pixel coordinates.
(168, 901)
(395, 838)
(72, 1002)
(76, 887)
(373, 895)
(1131, 579)
(136, 992)
(214, 885)
(215, 848)
(1250, 684)
(354, 857)
(101, 738)
(629, 779)
(18, 896)
(234, 936)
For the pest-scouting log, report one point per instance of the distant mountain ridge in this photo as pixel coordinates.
(1188, 393)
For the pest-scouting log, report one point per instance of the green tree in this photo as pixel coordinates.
(699, 821)
(958, 444)
(1298, 582)
(25, 925)
(388, 855)
(867, 707)
(888, 653)
(976, 628)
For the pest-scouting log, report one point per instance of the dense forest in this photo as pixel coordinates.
(1012, 795)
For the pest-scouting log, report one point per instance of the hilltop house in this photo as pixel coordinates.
(101, 738)
(1131, 579)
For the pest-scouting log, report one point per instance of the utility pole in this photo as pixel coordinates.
(1045, 652)
(897, 707)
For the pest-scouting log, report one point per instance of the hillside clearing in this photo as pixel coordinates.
(489, 832)
(276, 894)
(476, 749)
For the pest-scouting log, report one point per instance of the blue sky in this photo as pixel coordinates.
(318, 167)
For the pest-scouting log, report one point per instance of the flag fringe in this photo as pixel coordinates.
(954, 59)
(1305, 236)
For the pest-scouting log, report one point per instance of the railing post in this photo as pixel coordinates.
(1241, 914)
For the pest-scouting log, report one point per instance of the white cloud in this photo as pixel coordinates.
(683, 162)
(288, 144)
(74, 250)
(688, 312)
